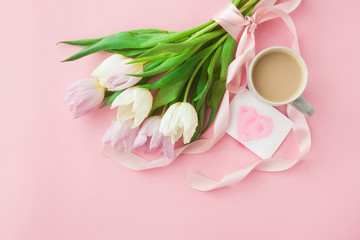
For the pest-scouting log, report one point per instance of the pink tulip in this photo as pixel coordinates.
(150, 138)
(120, 135)
(84, 96)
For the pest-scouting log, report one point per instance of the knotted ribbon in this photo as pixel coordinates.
(242, 29)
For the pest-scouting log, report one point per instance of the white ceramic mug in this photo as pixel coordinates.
(297, 101)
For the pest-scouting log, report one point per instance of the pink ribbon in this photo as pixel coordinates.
(242, 29)
(303, 138)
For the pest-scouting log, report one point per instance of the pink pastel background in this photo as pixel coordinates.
(55, 184)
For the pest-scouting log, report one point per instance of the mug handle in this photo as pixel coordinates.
(302, 105)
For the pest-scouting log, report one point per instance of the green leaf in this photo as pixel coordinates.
(128, 52)
(122, 40)
(111, 98)
(91, 41)
(217, 90)
(169, 63)
(199, 82)
(212, 72)
(181, 72)
(153, 64)
(162, 48)
(201, 117)
(204, 76)
(150, 58)
(83, 42)
(216, 93)
(133, 39)
(150, 30)
(227, 56)
(214, 100)
(169, 93)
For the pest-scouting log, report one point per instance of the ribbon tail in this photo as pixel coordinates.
(235, 82)
(202, 183)
(291, 26)
(244, 53)
(302, 134)
(303, 137)
(132, 161)
(288, 6)
(266, 14)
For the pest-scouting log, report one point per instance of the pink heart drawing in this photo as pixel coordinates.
(251, 126)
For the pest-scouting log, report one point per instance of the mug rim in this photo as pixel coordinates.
(287, 50)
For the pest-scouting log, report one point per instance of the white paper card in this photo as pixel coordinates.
(258, 126)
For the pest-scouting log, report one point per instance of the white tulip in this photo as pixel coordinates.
(134, 103)
(180, 119)
(112, 72)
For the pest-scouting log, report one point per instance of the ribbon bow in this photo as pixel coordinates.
(242, 29)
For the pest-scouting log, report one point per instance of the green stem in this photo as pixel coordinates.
(248, 4)
(204, 30)
(154, 112)
(199, 65)
(164, 110)
(195, 29)
(236, 2)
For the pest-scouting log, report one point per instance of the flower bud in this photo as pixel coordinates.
(134, 103)
(150, 137)
(112, 72)
(179, 120)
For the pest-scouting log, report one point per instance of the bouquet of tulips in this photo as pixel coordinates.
(154, 114)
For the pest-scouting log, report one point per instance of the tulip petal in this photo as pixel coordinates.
(142, 105)
(125, 112)
(120, 135)
(106, 68)
(129, 141)
(151, 139)
(140, 139)
(168, 148)
(124, 98)
(170, 121)
(120, 78)
(189, 120)
(108, 134)
(84, 96)
(156, 140)
(179, 119)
